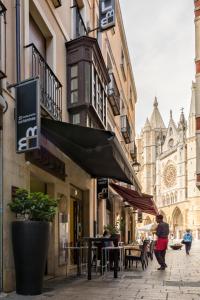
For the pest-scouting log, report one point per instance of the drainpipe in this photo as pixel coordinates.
(18, 61)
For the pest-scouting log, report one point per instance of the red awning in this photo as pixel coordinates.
(141, 201)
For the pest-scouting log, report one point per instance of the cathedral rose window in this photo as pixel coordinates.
(169, 175)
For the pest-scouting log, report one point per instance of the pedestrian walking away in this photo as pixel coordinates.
(187, 241)
(162, 233)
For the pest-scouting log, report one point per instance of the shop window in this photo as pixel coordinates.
(74, 84)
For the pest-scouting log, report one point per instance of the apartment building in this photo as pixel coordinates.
(84, 77)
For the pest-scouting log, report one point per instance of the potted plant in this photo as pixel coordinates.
(116, 229)
(30, 238)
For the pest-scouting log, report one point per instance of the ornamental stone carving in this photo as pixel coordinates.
(169, 175)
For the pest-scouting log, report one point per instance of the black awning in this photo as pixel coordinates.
(96, 151)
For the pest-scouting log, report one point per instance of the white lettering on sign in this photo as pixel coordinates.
(23, 143)
(107, 14)
(104, 9)
(108, 20)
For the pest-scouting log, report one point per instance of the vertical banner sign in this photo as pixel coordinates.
(102, 188)
(106, 14)
(27, 116)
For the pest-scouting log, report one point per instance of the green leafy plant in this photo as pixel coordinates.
(116, 228)
(35, 206)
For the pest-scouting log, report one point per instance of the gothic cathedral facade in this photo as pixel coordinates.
(168, 168)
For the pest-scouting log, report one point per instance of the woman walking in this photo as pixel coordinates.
(187, 239)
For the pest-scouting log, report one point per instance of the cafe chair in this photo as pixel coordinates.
(139, 255)
(151, 250)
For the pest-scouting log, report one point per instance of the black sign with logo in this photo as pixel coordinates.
(27, 116)
(106, 14)
(102, 188)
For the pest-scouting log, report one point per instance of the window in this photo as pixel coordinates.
(99, 96)
(76, 119)
(123, 64)
(87, 82)
(74, 84)
(99, 35)
(36, 37)
(171, 143)
(79, 25)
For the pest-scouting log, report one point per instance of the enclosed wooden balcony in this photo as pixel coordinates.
(133, 151)
(125, 129)
(114, 95)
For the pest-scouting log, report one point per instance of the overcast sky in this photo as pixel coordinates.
(160, 37)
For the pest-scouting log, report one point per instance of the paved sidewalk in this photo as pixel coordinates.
(180, 281)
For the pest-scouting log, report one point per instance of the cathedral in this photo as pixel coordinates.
(168, 158)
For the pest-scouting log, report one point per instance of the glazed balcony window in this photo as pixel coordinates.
(133, 151)
(50, 86)
(87, 82)
(114, 95)
(125, 129)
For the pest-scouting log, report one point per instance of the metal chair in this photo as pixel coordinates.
(141, 256)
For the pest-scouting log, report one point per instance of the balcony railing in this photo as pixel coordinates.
(50, 86)
(125, 129)
(2, 8)
(114, 95)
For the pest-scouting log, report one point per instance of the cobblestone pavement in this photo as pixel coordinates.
(180, 281)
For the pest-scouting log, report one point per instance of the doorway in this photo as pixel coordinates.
(76, 215)
(36, 185)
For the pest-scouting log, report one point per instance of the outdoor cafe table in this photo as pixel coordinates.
(102, 239)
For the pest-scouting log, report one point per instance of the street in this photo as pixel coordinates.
(180, 281)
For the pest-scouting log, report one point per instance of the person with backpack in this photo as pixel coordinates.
(187, 240)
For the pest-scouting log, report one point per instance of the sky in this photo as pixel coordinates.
(160, 36)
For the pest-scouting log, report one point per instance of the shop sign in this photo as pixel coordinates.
(102, 188)
(106, 14)
(27, 116)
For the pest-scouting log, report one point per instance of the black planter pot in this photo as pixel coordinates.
(30, 245)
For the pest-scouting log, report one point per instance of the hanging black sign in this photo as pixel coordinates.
(106, 14)
(27, 116)
(102, 188)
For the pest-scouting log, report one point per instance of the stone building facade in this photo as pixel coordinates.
(168, 158)
(49, 33)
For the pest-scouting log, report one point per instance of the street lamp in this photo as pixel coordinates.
(136, 166)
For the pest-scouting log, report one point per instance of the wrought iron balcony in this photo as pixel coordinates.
(114, 95)
(125, 129)
(50, 86)
(2, 8)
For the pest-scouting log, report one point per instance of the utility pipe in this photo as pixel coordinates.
(18, 60)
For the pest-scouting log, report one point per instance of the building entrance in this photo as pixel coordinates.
(36, 185)
(76, 215)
